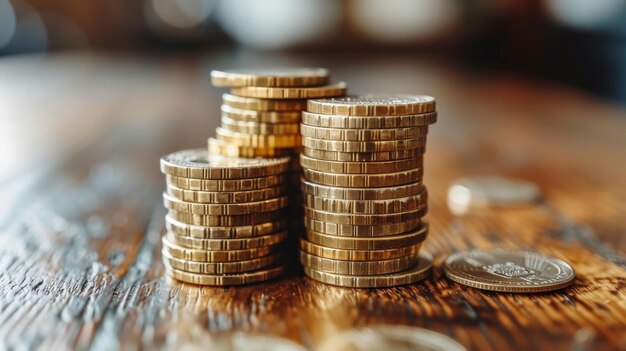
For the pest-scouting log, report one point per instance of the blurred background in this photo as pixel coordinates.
(577, 42)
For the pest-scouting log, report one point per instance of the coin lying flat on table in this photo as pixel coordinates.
(219, 267)
(184, 253)
(365, 231)
(357, 267)
(199, 164)
(372, 243)
(364, 180)
(227, 244)
(226, 197)
(226, 184)
(363, 156)
(358, 255)
(254, 140)
(225, 279)
(237, 209)
(270, 77)
(363, 146)
(224, 148)
(260, 128)
(246, 103)
(229, 232)
(337, 89)
(509, 271)
(403, 204)
(367, 122)
(373, 105)
(363, 134)
(361, 167)
(346, 218)
(389, 337)
(260, 116)
(418, 272)
(225, 221)
(381, 193)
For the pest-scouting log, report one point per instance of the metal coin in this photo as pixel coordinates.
(270, 77)
(226, 221)
(246, 103)
(261, 116)
(229, 232)
(196, 255)
(226, 197)
(382, 193)
(358, 255)
(199, 164)
(373, 243)
(337, 89)
(363, 156)
(363, 146)
(237, 209)
(364, 180)
(357, 267)
(509, 271)
(374, 105)
(402, 204)
(390, 337)
(225, 279)
(260, 128)
(255, 140)
(361, 167)
(226, 184)
(367, 122)
(345, 218)
(219, 267)
(418, 272)
(226, 244)
(220, 147)
(363, 134)
(350, 230)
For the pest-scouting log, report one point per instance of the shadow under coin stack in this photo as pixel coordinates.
(226, 217)
(363, 194)
(261, 117)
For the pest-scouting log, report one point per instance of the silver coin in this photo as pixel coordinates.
(390, 337)
(509, 271)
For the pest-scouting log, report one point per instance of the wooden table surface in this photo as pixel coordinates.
(81, 214)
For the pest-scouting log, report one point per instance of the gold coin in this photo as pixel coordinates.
(363, 134)
(372, 243)
(260, 116)
(245, 103)
(357, 267)
(260, 128)
(361, 167)
(199, 164)
(358, 255)
(364, 180)
(412, 275)
(362, 146)
(223, 148)
(219, 267)
(226, 184)
(226, 197)
(262, 141)
(226, 244)
(350, 230)
(368, 122)
(363, 156)
(244, 208)
(337, 89)
(230, 232)
(372, 105)
(384, 193)
(225, 279)
(402, 204)
(270, 77)
(226, 221)
(346, 218)
(196, 255)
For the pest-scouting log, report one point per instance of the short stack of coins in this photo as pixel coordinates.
(362, 186)
(226, 217)
(261, 115)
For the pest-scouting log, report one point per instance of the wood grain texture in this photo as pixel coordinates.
(81, 216)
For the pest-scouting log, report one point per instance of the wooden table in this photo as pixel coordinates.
(81, 215)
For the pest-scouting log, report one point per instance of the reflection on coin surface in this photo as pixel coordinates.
(390, 337)
(486, 191)
(509, 271)
(228, 341)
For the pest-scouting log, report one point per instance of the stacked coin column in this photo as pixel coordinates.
(261, 117)
(225, 218)
(363, 192)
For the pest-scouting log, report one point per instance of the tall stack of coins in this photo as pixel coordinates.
(226, 217)
(261, 116)
(363, 194)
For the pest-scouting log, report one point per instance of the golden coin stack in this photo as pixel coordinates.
(363, 195)
(261, 116)
(226, 217)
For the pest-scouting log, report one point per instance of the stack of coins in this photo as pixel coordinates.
(226, 217)
(363, 195)
(261, 116)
